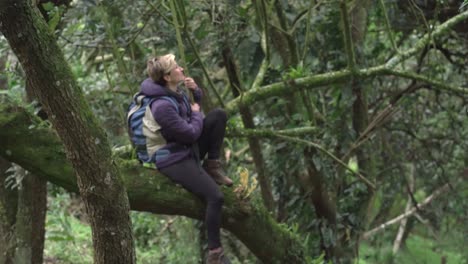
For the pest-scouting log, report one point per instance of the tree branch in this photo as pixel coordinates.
(25, 141)
(287, 134)
(426, 39)
(340, 76)
(438, 85)
(402, 228)
(322, 149)
(268, 133)
(408, 213)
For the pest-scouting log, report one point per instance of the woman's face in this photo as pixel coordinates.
(176, 75)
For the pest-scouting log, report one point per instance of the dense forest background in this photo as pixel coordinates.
(347, 131)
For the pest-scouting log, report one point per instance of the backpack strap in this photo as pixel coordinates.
(170, 99)
(138, 103)
(187, 104)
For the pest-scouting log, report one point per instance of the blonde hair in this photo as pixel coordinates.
(157, 67)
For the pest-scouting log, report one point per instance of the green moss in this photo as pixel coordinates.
(6, 118)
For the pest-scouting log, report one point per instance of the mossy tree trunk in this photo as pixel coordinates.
(32, 204)
(32, 194)
(8, 199)
(30, 217)
(29, 226)
(8, 207)
(85, 142)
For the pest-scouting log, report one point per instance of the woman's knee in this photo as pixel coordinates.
(219, 114)
(216, 198)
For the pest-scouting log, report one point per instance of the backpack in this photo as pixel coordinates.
(143, 130)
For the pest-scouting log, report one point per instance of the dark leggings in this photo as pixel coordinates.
(211, 139)
(194, 178)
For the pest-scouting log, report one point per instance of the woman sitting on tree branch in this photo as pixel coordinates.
(189, 138)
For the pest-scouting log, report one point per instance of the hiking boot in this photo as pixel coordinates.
(213, 168)
(217, 258)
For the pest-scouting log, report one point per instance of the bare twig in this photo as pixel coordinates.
(407, 214)
(368, 183)
(402, 228)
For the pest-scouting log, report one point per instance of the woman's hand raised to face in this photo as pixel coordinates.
(190, 83)
(195, 107)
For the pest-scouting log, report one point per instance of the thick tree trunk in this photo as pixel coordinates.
(30, 219)
(98, 178)
(8, 199)
(39, 210)
(32, 204)
(23, 254)
(39, 150)
(8, 207)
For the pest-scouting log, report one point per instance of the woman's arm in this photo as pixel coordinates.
(166, 115)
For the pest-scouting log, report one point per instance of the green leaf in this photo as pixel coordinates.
(53, 22)
(48, 6)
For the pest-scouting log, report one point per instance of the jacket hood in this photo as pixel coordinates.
(150, 88)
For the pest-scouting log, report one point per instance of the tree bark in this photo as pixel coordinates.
(23, 254)
(30, 219)
(39, 150)
(8, 207)
(8, 199)
(32, 204)
(86, 145)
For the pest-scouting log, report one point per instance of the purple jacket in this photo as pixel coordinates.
(179, 128)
